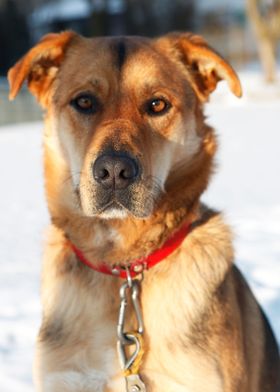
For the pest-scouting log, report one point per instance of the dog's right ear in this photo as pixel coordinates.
(39, 66)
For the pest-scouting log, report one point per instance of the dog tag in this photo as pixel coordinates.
(134, 383)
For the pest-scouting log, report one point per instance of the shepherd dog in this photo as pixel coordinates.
(127, 155)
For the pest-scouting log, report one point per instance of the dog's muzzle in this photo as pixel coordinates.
(118, 185)
(115, 170)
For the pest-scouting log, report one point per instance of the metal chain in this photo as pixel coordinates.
(131, 364)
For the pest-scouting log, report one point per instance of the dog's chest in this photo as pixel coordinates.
(166, 367)
(170, 363)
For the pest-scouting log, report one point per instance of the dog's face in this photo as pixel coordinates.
(124, 112)
(124, 123)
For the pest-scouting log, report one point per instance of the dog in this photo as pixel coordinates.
(127, 155)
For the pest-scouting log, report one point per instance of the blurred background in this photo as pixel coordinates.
(246, 32)
(246, 186)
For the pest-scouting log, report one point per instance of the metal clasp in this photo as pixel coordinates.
(131, 363)
(134, 383)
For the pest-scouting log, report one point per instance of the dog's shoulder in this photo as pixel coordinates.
(263, 339)
(211, 235)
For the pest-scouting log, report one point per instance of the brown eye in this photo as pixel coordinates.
(157, 106)
(86, 104)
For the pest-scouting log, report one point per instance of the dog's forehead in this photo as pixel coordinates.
(118, 50)
(120, 58)
(123, 49)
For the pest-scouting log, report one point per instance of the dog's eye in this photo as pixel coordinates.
(85, 103)
(157, 106)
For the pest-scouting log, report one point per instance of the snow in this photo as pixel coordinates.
(23, 217)
(246, 187)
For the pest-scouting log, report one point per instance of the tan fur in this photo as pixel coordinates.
(204, 330)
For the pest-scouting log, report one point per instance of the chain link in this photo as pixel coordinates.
(130, 364)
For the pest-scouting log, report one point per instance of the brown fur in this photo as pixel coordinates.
(204, 330)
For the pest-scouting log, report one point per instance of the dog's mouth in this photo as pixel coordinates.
(137, 200)
(113, 209)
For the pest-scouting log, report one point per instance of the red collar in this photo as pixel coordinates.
(137, 266)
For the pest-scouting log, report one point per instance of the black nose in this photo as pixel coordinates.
(116, 171)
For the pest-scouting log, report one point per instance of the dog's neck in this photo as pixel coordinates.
(123, 240)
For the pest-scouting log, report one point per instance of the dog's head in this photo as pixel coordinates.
(124, 114)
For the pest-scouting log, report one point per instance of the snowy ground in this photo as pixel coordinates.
(246, 187)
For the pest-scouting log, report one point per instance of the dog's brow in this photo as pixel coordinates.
(120, 49)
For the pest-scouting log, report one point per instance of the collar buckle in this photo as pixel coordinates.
(139, 268)
(115, 270)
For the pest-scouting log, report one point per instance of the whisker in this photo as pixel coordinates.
(71, 176)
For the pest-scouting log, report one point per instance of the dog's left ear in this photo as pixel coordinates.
(39, 66)
(205, 66)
